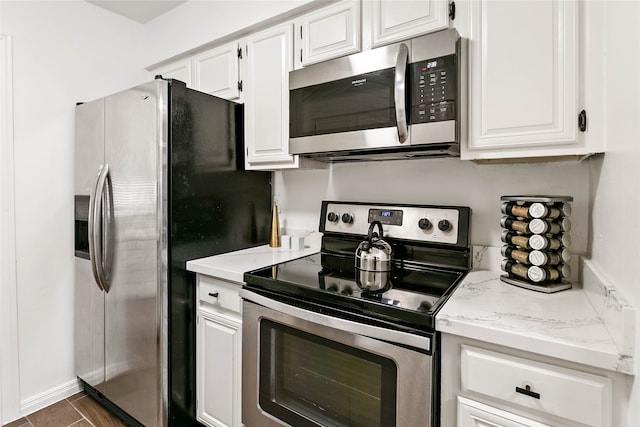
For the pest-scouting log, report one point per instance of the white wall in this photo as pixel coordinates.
(63, 52)
(615, 178)
(439, 182)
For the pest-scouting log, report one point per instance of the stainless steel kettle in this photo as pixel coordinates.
(373, 261)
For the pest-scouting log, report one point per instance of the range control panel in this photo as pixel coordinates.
(432, 224)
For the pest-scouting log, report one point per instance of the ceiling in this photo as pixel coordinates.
(141, 11)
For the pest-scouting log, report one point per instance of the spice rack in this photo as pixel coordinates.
(536, 236)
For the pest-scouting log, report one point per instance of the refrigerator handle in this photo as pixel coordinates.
(92, 229)
(107, 230)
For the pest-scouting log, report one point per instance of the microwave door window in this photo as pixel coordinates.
(356, 103)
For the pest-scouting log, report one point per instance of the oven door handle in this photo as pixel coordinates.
(389, 335)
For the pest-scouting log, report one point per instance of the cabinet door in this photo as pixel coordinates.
(393, 20)
(475, 414)
(523, 79)
(328, 33)
(269, 58)
(180, 70)
(218, 370)
(216, 71)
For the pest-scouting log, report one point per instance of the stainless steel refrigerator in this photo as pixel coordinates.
(159, 180)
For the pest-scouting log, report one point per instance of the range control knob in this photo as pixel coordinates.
(444, 225)
(333, 217)
(425, 224)
(347, 218)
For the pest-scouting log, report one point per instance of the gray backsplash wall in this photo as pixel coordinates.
(299, 193)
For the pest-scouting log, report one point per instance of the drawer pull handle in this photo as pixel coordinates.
(211, 294)
(527, 392)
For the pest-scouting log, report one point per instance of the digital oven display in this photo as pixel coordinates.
(386, 216)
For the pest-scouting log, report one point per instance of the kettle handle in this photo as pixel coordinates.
(371, 227)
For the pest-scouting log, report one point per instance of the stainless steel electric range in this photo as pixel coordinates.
(321, 350)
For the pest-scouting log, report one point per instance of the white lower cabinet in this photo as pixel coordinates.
(554, 390)
(487, 385)
(476, 414)
(218, 353)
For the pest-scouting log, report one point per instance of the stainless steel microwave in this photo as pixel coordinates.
(396, 101)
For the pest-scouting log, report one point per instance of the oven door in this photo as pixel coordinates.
(303, 368)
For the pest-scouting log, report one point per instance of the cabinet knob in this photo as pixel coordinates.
(211, 294)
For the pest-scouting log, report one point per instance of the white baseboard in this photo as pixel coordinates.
(48, 397)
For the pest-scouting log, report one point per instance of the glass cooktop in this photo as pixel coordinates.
(416, 292)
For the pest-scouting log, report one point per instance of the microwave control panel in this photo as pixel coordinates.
(434, 92)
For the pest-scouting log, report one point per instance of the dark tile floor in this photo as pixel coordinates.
(79, 410)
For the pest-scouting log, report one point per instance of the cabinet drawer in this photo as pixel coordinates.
(567, 393)
(219, 293)
(475, 414)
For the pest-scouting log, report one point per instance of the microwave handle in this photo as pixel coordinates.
(400, 92)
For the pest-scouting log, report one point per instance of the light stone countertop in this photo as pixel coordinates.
(232, 265)
(563, 325)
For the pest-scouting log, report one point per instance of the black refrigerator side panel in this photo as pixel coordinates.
(214, 208)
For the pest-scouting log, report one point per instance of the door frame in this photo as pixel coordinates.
(9, 350)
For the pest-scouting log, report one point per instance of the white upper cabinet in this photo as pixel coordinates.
(179, 70)
(268, 60)
(216, 71)
(328, 33)
(388, 21)
(524, 80)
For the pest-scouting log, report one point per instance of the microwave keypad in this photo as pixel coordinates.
(434, 90)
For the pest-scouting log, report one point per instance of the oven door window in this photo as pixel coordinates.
(361, 102)
(306, 380)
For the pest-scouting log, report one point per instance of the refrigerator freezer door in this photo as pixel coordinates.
(133, 303)
(89, 298)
